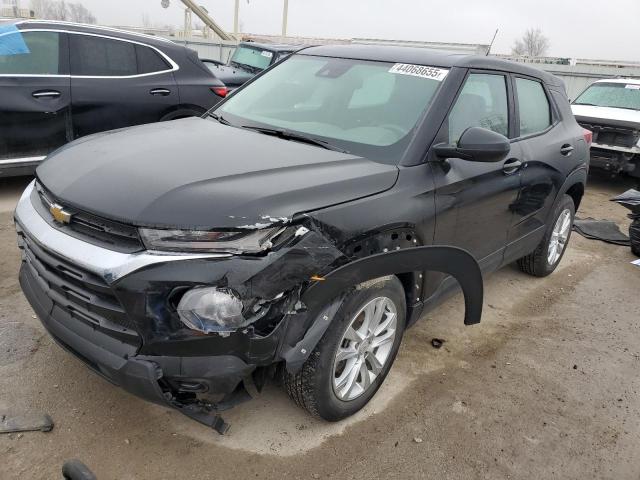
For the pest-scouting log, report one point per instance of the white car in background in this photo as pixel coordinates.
(611, 110)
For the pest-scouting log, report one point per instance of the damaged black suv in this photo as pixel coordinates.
(299, 228)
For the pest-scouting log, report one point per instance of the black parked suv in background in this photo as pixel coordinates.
(60, 81)
(350, 190)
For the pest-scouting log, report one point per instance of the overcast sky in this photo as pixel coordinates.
(606, 29)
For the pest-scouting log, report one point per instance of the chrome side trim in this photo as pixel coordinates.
(21, 160)
(109, 265)
(174, 65)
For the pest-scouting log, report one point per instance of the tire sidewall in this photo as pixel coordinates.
(329, 406)
(565, 203)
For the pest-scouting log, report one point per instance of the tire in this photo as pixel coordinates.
(538, 262)
(313, 387)
(634, 235)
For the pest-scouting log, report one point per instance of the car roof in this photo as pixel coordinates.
(429, 57)
(98, 30)
(276, 47)
(628, 81)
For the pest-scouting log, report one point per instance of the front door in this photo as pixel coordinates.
(34, 94)
(474, 200)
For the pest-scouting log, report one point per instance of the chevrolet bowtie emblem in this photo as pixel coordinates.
(59, 213)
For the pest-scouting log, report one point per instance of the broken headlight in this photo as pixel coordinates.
(247, 241)
(211, 309)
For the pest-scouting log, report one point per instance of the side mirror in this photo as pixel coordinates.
(478, 145)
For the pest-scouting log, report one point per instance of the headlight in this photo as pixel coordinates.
(211, 309)
(248, 241)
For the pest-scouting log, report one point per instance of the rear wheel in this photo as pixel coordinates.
(546, 257)
(355, 354)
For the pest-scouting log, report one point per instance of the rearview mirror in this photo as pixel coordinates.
(478, 145)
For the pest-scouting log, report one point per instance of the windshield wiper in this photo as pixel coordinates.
(296, 137)
(219, 118)
(587, 104)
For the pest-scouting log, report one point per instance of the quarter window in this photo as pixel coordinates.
(149, 60)
(482, 103)
(535, 111)
(29, 53)
(97, 56)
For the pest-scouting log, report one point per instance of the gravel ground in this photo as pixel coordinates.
(545, 387)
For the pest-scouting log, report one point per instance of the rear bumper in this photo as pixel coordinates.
(153, 378)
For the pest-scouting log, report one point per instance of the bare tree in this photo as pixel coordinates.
(533, 44)
(62, 10)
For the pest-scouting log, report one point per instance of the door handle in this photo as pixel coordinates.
(511, 166)
(160, 91)
(46, 94)
(566, 150)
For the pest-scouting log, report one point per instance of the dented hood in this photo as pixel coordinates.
(197, 173)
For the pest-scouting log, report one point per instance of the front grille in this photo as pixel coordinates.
(610, 135)
(82, 294)
(88, 227)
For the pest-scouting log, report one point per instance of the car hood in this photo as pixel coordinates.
(198, 173)
(230, 76)
(617, 115)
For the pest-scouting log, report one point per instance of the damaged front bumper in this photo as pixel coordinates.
(117, 311)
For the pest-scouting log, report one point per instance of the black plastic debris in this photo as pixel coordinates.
(437, 342)
(604, 230)
(76, 470)
(25, 423)
(631, 200)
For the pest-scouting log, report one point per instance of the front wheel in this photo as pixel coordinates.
(355, 354)
(546, 257)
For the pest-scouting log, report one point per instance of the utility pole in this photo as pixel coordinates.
(235, 17)
(285, 14)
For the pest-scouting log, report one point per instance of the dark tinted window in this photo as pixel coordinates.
(482, 103)
(97, 56)
(29, 53)
(535, 112)
(149, 60)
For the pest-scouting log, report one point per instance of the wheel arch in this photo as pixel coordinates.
(323, 298)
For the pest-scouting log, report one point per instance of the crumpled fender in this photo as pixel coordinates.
(320, 297)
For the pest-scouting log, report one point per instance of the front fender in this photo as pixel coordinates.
(320, 297)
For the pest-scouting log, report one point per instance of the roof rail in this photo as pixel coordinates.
(96, 27)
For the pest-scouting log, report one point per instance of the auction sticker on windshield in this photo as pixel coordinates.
(431, 73)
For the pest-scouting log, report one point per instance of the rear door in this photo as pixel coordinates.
(118, 83)
(548, 149)
(34, 94)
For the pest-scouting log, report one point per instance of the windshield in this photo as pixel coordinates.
(252, 57)
(366, 108)
(617, 95)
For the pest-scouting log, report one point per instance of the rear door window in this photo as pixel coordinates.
(481, 103)
(533, 104)
(104, 57)
(29, 53)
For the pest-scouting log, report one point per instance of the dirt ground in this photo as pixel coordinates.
(547, 386)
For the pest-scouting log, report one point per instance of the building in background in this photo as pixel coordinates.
(14, 9)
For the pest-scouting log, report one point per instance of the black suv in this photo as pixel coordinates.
(249, 59)
(60, 81)
(350, 190)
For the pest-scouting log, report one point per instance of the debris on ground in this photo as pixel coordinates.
(437, 342)
(417, 440)
(604, 230)
(76, 470)
(25, 423)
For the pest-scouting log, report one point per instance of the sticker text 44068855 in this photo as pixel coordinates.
(432, 73)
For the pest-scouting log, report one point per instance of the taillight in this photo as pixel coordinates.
(220, 91)
(588, 136)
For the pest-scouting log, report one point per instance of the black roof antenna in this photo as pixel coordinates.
(491, 44)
